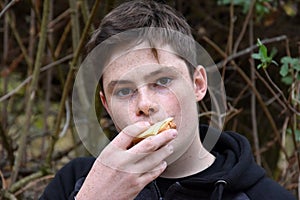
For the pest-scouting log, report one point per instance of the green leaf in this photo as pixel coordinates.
(293, 62)
(284, 70)
(288, 80)
(263, 50)
(259, 42)
(262, 55)
(256, 56)
(259, 66)
(285, 60)
(296, 64)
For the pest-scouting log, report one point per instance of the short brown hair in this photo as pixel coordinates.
(140, 14)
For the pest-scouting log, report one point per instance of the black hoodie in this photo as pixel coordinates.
(233, 176)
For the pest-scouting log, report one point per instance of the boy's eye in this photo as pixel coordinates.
(165, 81)
(124, 92)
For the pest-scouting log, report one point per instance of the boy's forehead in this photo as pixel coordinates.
(122, 63)
(134, 57)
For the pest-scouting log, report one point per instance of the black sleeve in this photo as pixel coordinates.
(268, 189)
(68, 180)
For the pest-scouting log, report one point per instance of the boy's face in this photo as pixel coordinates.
(141, 87)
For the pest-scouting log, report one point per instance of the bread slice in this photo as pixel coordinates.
(155, 129)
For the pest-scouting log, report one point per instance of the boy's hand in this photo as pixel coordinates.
(121, 173)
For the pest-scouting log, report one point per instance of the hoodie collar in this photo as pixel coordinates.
(234, 169)
(235, 162)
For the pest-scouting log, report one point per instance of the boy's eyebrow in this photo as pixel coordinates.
(161, 70)
(112, 84)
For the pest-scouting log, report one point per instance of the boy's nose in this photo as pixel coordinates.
(146, 103)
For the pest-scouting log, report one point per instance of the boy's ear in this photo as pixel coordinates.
(200, 82)
(104, 102)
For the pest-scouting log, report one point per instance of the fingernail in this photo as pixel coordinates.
(164, 164)
(174, 133)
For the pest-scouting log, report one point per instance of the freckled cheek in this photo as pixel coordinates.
(120, 112)
(169, 102)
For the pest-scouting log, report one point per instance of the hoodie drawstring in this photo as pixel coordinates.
(218, 191)
(157, 190)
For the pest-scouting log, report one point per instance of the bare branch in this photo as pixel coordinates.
(10, 4)
(69, 81)
(68, 116)
(246, 22)
(6, 96)
(32, 90)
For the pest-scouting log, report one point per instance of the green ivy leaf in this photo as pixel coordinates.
(296, 64)
(284, 70)
(288, 80)
(285, 60)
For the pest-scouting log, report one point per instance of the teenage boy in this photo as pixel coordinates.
(142, 86)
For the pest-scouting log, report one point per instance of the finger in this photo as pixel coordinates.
(124, 139)
(150, 161)
(120, 160)
(153, 143)
(137, 163)
(152, 175)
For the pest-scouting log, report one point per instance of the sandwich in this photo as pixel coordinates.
(156, 129)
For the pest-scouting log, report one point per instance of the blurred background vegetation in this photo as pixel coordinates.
(256, 45)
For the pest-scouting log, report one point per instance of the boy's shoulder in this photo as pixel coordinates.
(63, 184)
(267, 188)
(78, 166)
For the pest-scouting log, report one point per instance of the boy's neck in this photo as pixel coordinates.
(193, 161)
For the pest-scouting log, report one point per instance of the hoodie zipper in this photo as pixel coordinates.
(158, 191)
